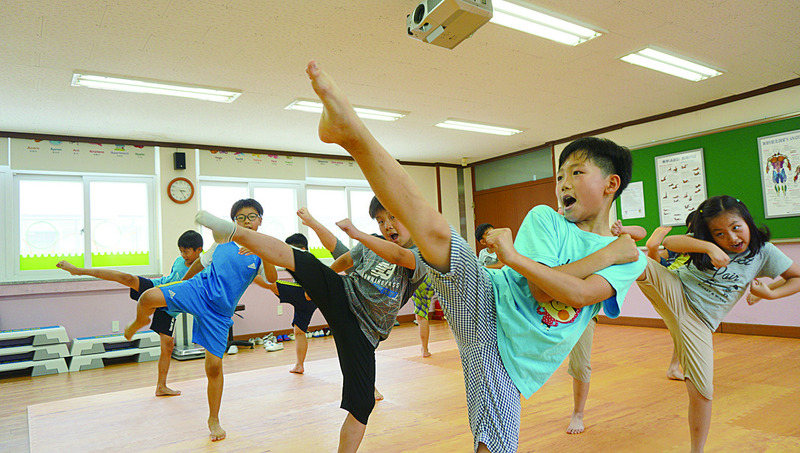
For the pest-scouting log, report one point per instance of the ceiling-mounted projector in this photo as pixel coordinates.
(446, 23)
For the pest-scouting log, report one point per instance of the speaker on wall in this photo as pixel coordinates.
(180, 160)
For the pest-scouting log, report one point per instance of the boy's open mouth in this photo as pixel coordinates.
(567, 201)
(394, 237)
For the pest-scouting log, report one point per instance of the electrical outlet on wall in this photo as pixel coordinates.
(115, 326)
(280, 310)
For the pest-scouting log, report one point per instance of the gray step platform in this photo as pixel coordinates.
(40, 367)
(92, 361)
(35, 336)
(105, 343)
(24, 353)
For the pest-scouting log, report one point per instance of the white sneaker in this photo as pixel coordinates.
(233, 350)
(272, 347)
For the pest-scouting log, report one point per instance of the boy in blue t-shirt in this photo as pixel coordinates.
(190, 244)
(211, 297)
(514, 326)
(360, 307)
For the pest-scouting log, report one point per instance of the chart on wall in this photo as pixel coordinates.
(681, 183)
(780, 168)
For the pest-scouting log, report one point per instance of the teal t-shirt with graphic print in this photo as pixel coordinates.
(534, 338)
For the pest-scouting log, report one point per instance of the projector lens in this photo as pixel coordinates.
(419, 13)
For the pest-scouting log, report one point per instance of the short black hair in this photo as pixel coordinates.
(190, 239)
(375, 207)
(298, 240)
(481, 230)
(611, 158)
(715, 206)
(246, 203)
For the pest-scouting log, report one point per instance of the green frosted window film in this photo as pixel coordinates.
(320, 252)
(41, 262)
(120, 259)
(514, 170)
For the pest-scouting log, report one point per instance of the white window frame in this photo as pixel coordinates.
(346, 185)
(12, 253)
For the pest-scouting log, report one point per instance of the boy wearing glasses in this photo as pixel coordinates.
(211, 297)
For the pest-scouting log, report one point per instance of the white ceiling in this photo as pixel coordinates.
(498, 76)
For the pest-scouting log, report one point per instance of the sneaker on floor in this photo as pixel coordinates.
(233, 349)
(290, 337)
(396, 322)
(415, 322)
(309, 334)
(327, 332)
(272, 347)
(268, 337)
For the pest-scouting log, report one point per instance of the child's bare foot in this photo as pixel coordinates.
(674, 373)
(298, 369)
(339, 123)
(378, 395)
(425, 353)
(217, 433)
(575, 424)
(69, 267)
(130, 329)
(163, 390)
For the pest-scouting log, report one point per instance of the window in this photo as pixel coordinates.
(278, 200)
(513, 170)
(332, 204)
(53, 212)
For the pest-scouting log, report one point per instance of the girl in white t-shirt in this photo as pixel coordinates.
(727, 252)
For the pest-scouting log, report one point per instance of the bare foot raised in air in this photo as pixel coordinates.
(69, 267)
(163, 390)
(339, 123)
(298, 369)
(576, 424)
(378, 395)
(217, 433)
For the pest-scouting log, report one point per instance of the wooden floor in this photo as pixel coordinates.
(632, 406)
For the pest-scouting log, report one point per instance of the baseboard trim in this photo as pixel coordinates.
(725, 327)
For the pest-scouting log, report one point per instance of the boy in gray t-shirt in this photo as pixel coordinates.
(360, 307)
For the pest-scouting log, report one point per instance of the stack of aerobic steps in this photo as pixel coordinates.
(88, 352)
(43, 349)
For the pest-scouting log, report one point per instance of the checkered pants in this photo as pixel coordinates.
(467, 297)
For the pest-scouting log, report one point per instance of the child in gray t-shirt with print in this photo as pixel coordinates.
(360, 307)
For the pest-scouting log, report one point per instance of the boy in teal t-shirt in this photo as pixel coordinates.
(515, 325)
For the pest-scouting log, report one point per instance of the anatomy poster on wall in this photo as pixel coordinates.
(780, 168)
(681, 183)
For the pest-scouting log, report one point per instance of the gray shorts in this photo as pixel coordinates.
(467, 298)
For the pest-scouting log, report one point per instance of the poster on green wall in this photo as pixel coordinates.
(681, 184)
(779, 181)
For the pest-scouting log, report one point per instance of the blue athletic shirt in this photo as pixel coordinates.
(179, 269)
(534, 338)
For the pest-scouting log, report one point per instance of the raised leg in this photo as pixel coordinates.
(150, 300)
(131, 281)
(392, 185)
(265, 247)
(215, 383)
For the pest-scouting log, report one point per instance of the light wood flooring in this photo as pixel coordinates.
(632, 406)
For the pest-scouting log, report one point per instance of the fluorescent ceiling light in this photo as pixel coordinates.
(527, 20)
(477, 127)
(305, 105)
(153, 87)
(660, 61)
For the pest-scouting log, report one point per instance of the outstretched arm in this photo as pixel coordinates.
(325, 235)
(622, 250)
(259, 280)
(342, 263)
(389, 251)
